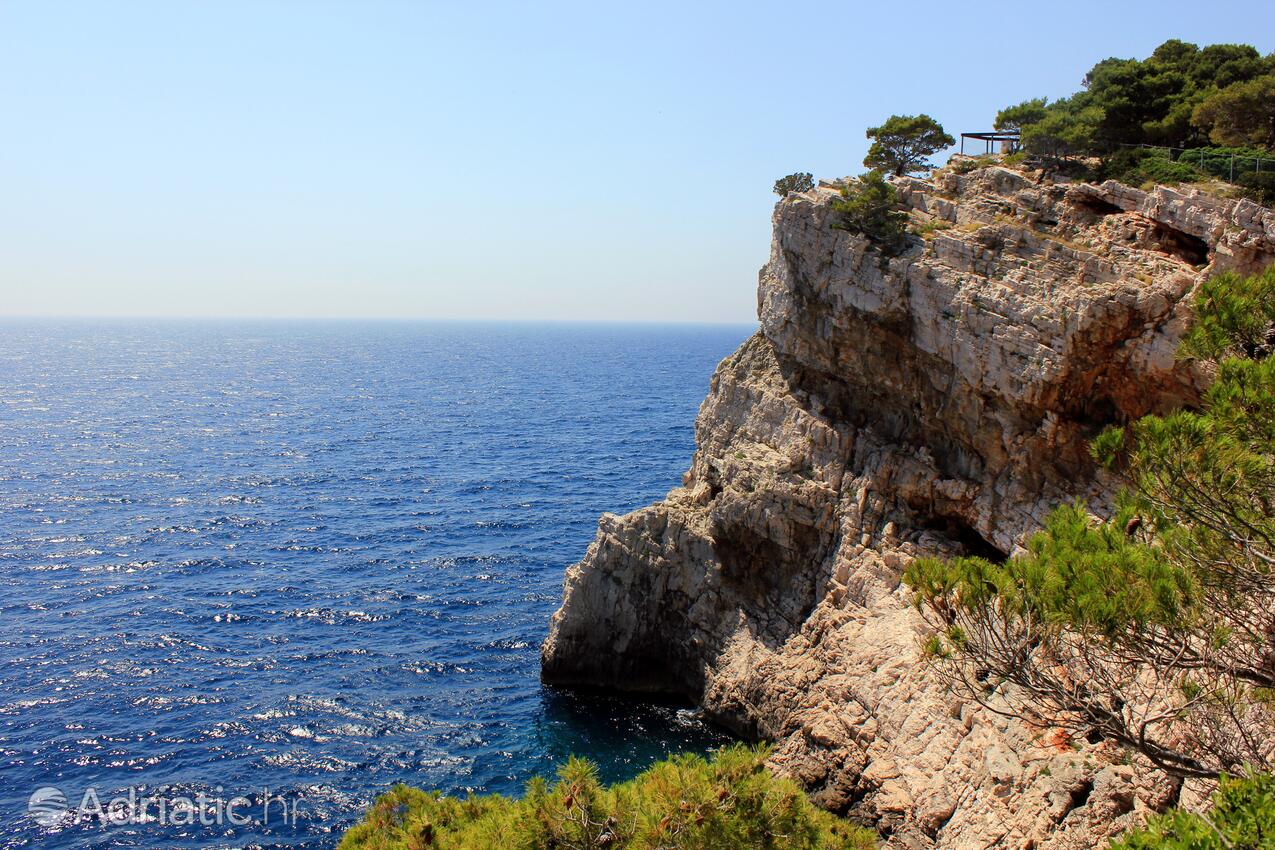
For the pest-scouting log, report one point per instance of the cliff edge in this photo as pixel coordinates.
(935, 403)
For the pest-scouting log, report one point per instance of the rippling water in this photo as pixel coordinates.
(314, 558)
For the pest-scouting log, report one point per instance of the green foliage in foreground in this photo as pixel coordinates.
(686, 802)
(1234, 316)
(870, 206)
(1242, 818)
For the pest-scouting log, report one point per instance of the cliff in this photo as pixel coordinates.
(935, 403)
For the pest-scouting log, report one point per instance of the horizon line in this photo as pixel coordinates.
(399, 319)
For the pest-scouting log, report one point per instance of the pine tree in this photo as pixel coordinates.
(904, 142)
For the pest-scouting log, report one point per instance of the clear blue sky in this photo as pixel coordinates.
(524, 160)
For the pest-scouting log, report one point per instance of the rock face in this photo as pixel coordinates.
(935, 403)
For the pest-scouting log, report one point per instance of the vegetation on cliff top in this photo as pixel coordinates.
(801, 181)
(686, 802)
(1183, 98)
(869, 205)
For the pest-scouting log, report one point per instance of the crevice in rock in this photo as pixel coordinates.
(1173, 798)
(934, 830)
(1077, 797)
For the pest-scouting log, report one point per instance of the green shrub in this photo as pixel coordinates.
(1260, 187)
(686, 802)
(1240, 165)
(973, 163)
(1242, 818)
(1136, 166)
(1164, 170)
(869, 206)
(1228, 163)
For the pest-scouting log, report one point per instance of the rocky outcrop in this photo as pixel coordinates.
(935, 403)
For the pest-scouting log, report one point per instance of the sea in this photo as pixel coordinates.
(252, 574)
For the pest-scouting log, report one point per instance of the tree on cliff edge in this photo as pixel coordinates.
(904, 142)
(869, 206)
(801, 181)
(1153, 629)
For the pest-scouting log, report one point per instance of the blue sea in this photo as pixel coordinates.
(286, 564)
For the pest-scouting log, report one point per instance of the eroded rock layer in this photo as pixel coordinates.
(938, 402)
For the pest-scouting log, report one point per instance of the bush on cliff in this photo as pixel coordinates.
(686, 802)
(870, 206)
(1259, 187)
(1152, 629)
(1136, 166)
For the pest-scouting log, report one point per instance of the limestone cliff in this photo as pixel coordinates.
(937, 402)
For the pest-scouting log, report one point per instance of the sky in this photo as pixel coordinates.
(546, 161)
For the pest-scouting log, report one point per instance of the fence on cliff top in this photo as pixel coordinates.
(1210, 161)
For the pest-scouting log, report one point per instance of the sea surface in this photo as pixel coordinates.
(296, 562)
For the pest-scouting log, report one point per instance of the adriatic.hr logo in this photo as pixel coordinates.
(48, 806)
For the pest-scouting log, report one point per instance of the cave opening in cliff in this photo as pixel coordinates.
(967, 536)
(1097, 207)
(1190, 249)
(1096, 412)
